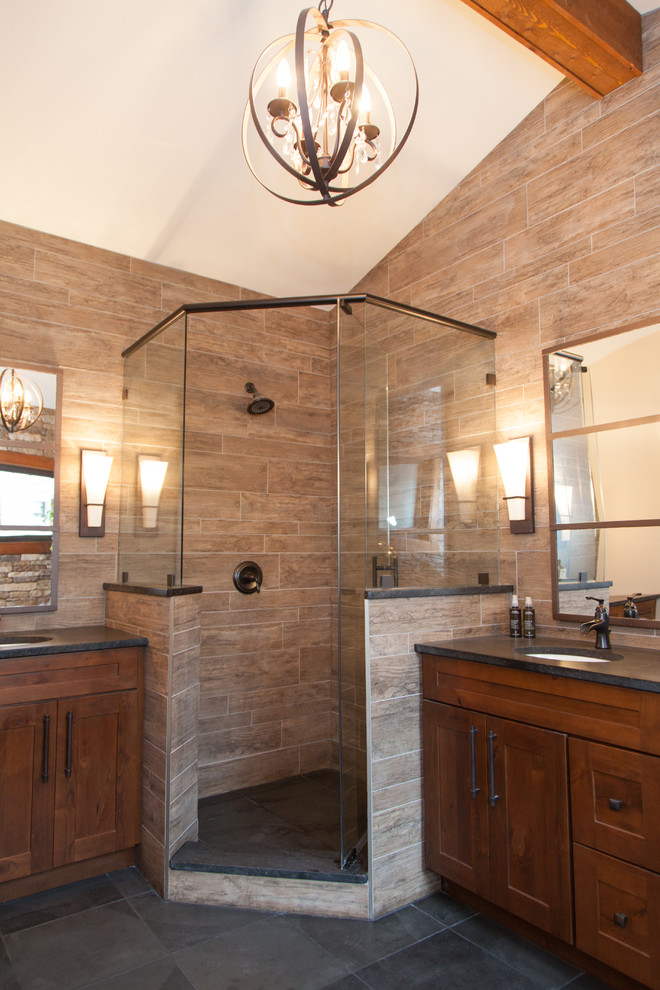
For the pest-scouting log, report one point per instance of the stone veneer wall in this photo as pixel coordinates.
(25, 578)
(171, 711)
(555, 234)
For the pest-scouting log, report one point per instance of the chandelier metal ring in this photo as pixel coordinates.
(327, 137)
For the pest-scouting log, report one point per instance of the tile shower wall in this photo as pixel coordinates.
(262, 488)
(555, 234)
(68, 305)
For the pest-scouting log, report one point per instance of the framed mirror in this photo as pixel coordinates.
(603, 434)
(29, 492)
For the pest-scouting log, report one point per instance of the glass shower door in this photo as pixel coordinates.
(362, 465)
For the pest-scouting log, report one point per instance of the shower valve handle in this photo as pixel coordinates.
(248, 577)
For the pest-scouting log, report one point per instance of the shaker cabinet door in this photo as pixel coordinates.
(96, 799)
(529, 825)
(27, 765)
(455, 788)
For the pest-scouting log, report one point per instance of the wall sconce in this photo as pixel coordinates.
(515, 463)
(464, 466)
(94, 473)
(152, 477)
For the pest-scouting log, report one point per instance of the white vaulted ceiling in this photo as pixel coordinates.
(120, 127)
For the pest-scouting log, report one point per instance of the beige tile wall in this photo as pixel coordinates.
(68, 305)
(555, 234)
(261, 488)
(396, 870)
(171, 713)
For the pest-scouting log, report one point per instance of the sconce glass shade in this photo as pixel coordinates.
(464, 466)
(21, 401)
(94, 475)
(152, 478)
(311, 117)
(515, 463)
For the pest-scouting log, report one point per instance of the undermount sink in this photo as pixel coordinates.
(12, 642)
(564, 653)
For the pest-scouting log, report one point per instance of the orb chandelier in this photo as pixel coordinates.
(21, 401)
(318, 113)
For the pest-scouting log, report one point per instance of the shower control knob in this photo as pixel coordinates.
(248, 577)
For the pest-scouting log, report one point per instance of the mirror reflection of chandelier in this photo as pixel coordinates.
(21, 401)
(562, 369)
(321, 111)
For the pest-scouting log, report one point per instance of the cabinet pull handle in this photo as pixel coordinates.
(616, 804)
(620, 919)
(474, 790)
(492, 797)
(69, 743)
(44, 773)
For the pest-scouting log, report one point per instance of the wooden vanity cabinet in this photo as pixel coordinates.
(496, 812)
(69, 765)
(556, 742)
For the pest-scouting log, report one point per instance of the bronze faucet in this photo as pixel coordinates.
(600, 624)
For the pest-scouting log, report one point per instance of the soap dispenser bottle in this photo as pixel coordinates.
(529, 619)
(515, 618)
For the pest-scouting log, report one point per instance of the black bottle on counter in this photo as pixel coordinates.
(515, 618)
(529, 620)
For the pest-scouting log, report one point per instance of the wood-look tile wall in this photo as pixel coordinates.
(171, 714)
(555, 234)
(68, 305)
(262, 488)
(396, 868)
(257, 487)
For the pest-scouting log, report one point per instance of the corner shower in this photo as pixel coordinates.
(339, 487)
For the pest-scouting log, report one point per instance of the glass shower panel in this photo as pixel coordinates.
(150, 523)
(362, 456)
(438, 495)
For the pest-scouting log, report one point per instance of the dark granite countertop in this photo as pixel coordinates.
(476, 589)
(628, 666)
(37, 642)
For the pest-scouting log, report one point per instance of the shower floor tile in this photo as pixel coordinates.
(289, 828)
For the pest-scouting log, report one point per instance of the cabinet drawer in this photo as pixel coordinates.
(615, 797)
(617, 914)
(59, 675)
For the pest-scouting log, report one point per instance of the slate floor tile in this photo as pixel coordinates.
(36, 909)
(179, 925)
(351, 982)
(358, 943)
(161, 975)
(270, 955)
(73, 952)
(444, 908)
(8, 980)
(586, 982)
(129, 882)
(443, 960)
(547, 970)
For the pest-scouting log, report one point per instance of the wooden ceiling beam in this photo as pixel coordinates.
(597, 43)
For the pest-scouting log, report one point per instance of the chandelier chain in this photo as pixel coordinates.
(325, 6)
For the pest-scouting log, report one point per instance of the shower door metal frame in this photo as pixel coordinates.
(343, 302)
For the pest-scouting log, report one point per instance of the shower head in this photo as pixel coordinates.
(259, 404)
